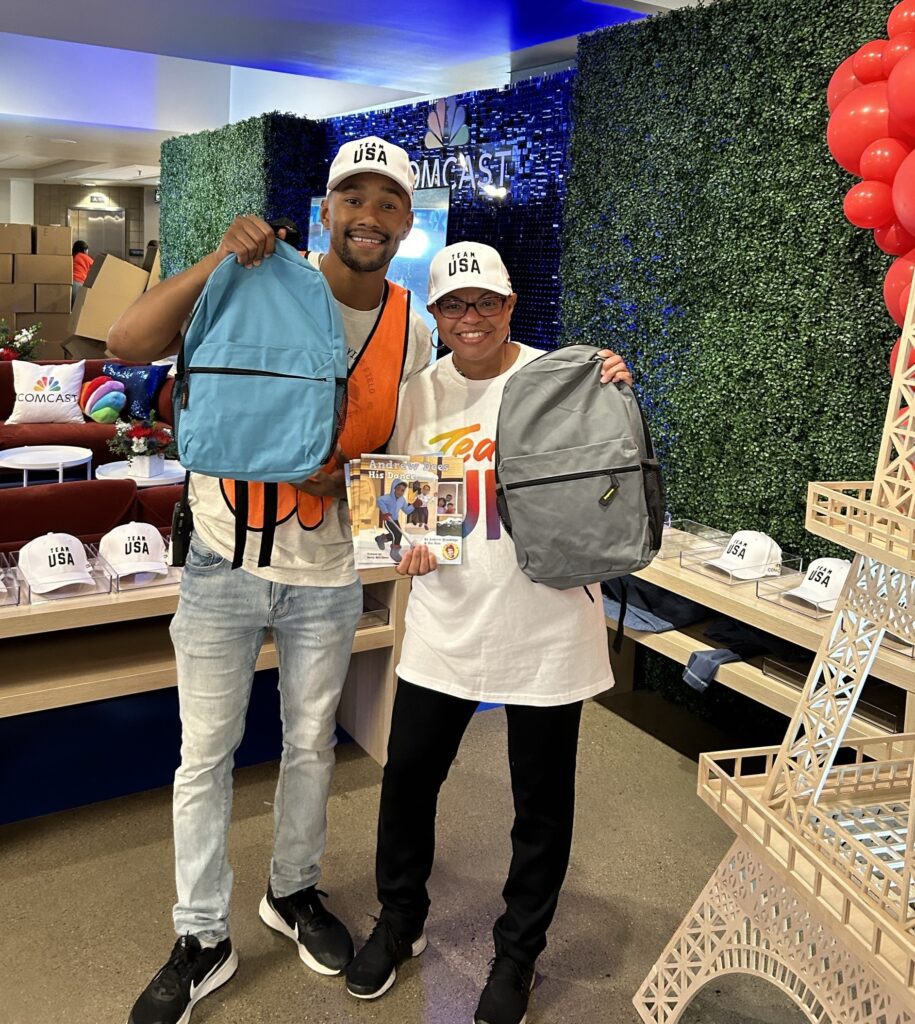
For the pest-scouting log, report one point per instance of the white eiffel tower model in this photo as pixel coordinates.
(817, 894)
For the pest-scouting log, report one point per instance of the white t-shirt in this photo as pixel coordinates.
(483, 630)
(322, 557)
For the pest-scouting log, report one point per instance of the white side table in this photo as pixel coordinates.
(171, 474)
(46, 456)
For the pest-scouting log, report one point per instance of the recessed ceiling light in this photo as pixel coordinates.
(68, 142)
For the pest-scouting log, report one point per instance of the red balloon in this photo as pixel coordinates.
(869, 204)
(895, 50)
(894, 357)
(902, 304)
(858, 121)
(898, 277)
(900, 95)
(882, 159)
(902, 19)
(867, 63)
(904, 194)
(894, 239)
(843, 82)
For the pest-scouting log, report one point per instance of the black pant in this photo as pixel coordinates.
(426, 731)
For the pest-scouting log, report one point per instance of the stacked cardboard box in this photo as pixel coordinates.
(36, 271)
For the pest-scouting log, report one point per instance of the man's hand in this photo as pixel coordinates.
(614, 369)
(250, 239)
(328, 483)
(416, 561)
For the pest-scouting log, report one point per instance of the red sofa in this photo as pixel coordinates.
(87, 509)
(87, 434)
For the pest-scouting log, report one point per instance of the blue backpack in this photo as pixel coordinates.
(261, 379)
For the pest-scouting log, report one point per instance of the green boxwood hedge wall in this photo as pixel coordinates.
(270, 165)
(704, 239)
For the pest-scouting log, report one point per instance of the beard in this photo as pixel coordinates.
(359, 260)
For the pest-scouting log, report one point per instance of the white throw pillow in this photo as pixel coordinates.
(47, 394)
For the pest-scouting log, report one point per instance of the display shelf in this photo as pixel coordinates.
(742, 603)
(116, 644)
(680, 644)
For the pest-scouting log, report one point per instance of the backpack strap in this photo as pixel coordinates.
(624, 602)
(241, 522)
(271, 497)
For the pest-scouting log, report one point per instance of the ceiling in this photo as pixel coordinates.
(409, 49)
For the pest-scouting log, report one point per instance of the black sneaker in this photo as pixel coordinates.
(192, 972)
(506, 994)
(324, 943)
(374, 969)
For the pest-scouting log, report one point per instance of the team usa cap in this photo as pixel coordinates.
(823, 583)
(53, 561)
(134, 547)
(467, 265)
(373, 155)
(749, 555)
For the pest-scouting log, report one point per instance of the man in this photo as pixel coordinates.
(309, 596)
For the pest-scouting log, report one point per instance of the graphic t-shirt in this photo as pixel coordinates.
(483, 630)
(322, 557)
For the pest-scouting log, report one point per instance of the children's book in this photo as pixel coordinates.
(399, 501)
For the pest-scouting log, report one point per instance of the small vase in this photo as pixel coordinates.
(145, 466)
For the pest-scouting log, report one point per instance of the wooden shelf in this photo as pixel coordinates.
(745, 678)
(741, 602)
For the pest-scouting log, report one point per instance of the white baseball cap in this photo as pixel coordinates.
(374, 155)
(467, 265)
(134, 547)
(749, 555)
(53, 561)
(823, 583)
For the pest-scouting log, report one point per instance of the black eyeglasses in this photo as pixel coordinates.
(453, 308)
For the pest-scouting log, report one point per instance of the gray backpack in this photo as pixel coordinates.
(577, 485)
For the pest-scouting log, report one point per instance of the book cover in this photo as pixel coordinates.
(399, 501)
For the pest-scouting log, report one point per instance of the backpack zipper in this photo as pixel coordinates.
(246, 373)
(571, 476)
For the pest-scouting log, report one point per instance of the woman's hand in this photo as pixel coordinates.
(417, 561)
(614, 369)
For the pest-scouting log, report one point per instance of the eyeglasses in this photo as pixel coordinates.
(453, 308)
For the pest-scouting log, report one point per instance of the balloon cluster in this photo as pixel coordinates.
(871, 133)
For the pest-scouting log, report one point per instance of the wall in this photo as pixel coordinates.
(53, 201)
(705, 240)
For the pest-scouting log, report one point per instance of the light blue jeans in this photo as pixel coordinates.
(222, 619)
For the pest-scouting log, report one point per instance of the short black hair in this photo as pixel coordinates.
(79, 246)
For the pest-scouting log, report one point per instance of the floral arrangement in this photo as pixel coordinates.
(143, 437)
(20, 344)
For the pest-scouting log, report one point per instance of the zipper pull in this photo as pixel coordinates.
(610, 492)
(184, 390)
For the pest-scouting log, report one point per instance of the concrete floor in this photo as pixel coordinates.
(86, 896)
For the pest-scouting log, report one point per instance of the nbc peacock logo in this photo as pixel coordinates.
(46, 384)
(447, 125)
(46, 389)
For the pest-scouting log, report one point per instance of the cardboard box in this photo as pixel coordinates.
(43, 269)
(77, 347)
(111, 286)
(54, 326)
(51, 350)
(53, 240)
(15, 238)
(151, 255)
(6, 268)
(53, 298)
(16, 298)
(155, 273)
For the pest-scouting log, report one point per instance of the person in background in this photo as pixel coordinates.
(309, 597)
(469, 638)
(82, 261)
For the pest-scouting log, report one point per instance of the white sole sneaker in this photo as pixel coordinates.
(273, 920)
(418, 946)
(218, 977)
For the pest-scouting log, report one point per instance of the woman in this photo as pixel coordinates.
(82, 261)
(444, 671)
